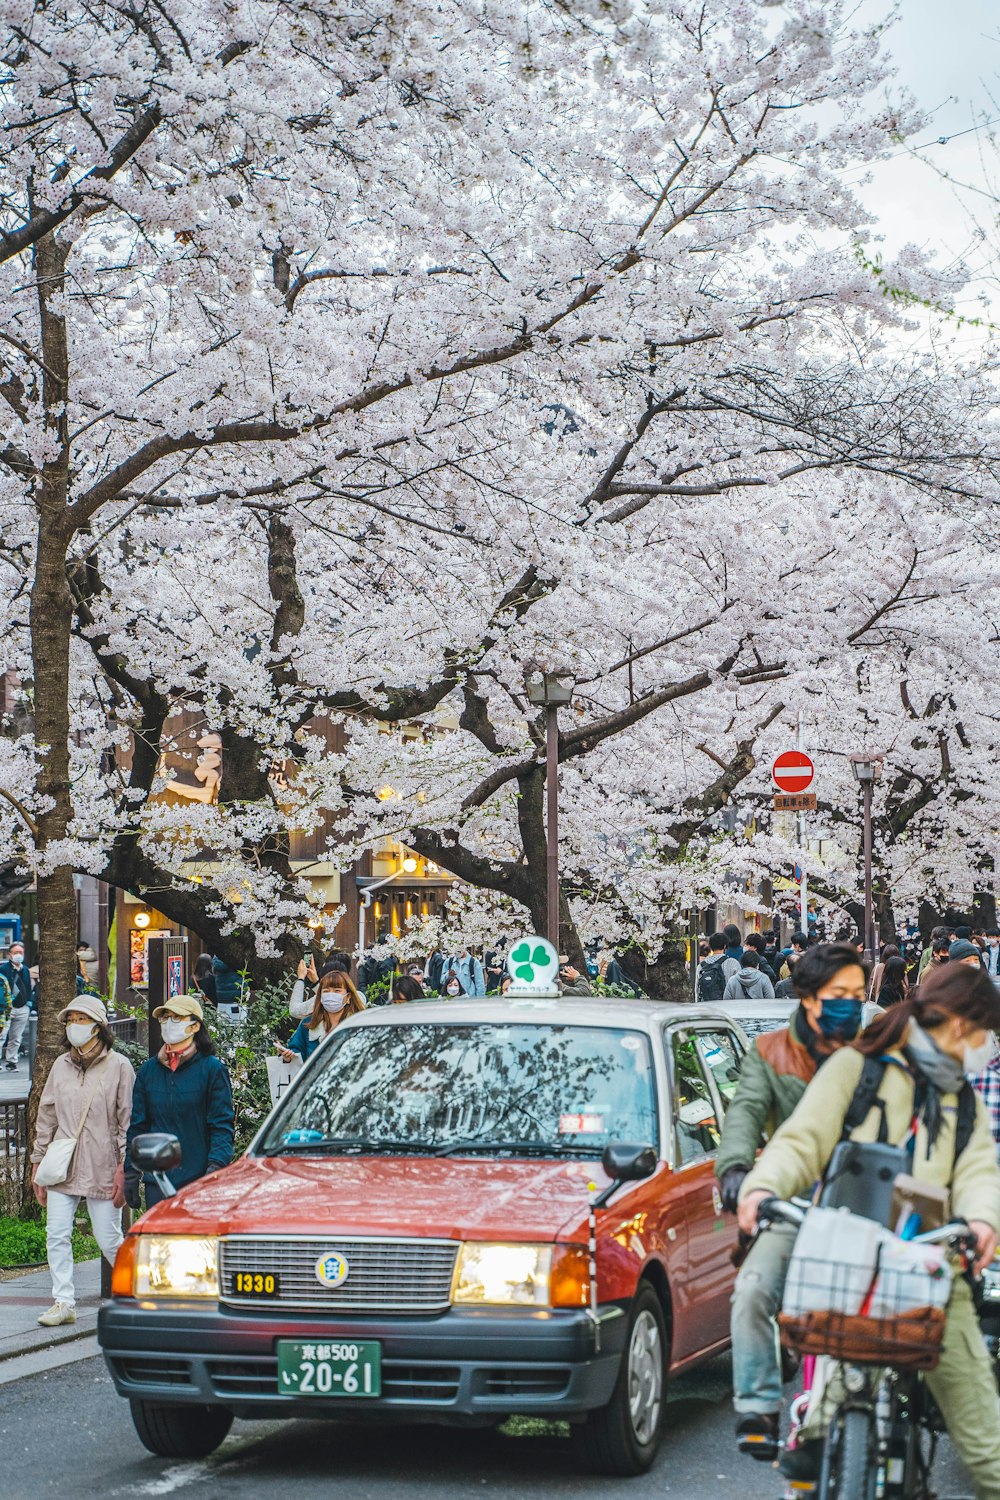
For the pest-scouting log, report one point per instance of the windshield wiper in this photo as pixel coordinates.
(517, 1148)
(362, 1145)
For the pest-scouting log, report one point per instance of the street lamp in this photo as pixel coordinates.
(867, 767)
(550, 690)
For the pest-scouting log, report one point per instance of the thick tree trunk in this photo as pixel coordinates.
(666, 977)
(51, 620)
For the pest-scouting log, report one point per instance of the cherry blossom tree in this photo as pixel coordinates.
(354, 359)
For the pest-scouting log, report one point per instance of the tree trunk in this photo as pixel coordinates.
(665, 977)
(885, 915)
(50, 622)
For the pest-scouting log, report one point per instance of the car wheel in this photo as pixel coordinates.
(180, 1431)
(622, 1438)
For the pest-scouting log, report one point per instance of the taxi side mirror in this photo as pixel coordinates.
(156, 1153)
(625, 1162)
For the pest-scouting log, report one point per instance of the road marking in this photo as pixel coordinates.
(173, 1479)
(40, 1360)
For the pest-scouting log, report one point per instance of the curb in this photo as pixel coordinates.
(66, 1338)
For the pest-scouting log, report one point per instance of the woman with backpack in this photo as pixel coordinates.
(910, 1069)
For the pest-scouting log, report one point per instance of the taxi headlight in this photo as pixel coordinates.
(501, 1275)
(176, 1265)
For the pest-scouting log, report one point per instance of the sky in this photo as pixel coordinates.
(948, 55)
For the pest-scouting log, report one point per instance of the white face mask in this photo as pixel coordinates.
(173, 1031)
(333, 1001)
(79, 1033)
(300, 1009)
(976, 1059)
(17, 959)
(454, 989)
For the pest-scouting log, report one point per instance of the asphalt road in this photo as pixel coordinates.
(64, 1432)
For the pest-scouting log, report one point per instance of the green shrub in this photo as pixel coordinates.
(243, 1049)
(22, 1242)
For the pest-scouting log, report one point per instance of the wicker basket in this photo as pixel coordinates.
(905, 1340)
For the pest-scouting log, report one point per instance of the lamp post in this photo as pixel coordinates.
(549, 690)
(866, 767)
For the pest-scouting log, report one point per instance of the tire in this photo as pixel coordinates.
(623, 1437)
(849, 1461)
(180, 1431)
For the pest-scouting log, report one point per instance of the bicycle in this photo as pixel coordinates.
(882, 1437)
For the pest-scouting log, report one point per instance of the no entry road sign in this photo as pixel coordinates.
(792, 771)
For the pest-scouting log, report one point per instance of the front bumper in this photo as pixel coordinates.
(464, 1366)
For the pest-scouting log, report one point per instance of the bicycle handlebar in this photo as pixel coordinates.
(777, 1211)
(956, 1235)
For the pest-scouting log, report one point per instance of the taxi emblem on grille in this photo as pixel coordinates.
(332, 1269)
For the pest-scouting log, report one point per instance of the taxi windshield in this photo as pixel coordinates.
(446, 1089)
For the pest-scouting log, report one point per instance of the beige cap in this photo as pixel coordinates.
(181, 1005)
(87, 1005)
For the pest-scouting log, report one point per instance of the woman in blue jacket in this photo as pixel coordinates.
(185, 1091)
(336, 998)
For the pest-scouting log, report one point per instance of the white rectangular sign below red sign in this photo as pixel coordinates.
(792, 771)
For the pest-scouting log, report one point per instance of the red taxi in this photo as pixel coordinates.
(409, 1235)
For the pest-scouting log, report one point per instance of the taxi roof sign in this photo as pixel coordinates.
(533, 965)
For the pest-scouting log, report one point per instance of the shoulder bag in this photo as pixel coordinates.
(54, 1167)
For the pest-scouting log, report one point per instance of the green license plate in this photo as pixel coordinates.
(346, 1367)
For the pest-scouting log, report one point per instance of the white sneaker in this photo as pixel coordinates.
(58, 1313)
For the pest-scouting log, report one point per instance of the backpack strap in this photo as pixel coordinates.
(866, 1098)
(966, 1118)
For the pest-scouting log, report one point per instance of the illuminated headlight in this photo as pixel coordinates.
(503, 1275)
(176, 1266)
(991, 1283)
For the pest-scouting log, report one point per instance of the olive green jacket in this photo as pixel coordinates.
(800, 1151)
(773, 1078)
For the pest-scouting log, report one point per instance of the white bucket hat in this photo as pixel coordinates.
(87, 1005)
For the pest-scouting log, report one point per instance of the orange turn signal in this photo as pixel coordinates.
(123, 1275)
(569, 1281)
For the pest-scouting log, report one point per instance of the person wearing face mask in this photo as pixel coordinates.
(830, 984)
(184, 1091)
(991, 957)
(18, 982)
(88, 1094)
(335, 999)
(452, 986)
(915, 1058)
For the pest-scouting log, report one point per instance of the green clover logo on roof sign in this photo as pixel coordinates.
(533, 962)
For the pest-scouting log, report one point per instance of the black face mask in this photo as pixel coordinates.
(840, 1020)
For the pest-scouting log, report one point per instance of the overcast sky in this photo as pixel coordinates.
(948, 54)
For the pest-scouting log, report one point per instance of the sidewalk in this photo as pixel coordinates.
(23, 1298)
(15, 1086)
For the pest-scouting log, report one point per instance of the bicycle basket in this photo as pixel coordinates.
(884, 1327)
(858, 1293)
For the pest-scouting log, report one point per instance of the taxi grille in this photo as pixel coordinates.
(384, 1275)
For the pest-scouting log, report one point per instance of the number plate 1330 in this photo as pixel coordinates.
(347, 1368)
(255, 1284)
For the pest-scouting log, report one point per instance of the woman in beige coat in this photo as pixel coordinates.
(89, 1076)
(929, 1044)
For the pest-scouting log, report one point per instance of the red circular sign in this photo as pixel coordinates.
(792, 771)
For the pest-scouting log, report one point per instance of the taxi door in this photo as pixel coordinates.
(704, 1061)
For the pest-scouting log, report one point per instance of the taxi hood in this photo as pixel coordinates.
(442, 1198)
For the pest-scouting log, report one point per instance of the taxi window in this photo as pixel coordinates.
(723, 1058)
(696, 1117)
(503, 1088)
